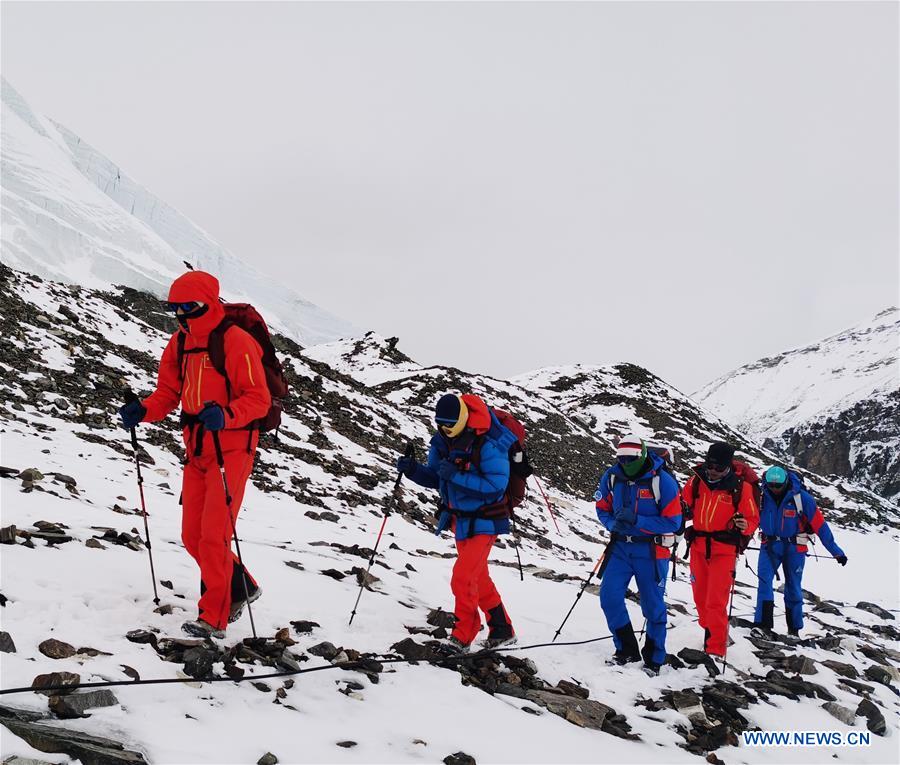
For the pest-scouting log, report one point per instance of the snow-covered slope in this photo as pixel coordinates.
(313, 508)
(833, 406)
(71, 214)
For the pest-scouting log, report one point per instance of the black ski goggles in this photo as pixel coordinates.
(629, 459)
(184, 307)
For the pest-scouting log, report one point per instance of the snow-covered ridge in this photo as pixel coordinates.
(813, 382)
(71, 214)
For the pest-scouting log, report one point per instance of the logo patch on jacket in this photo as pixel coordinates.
(645, 494)
(790, 513)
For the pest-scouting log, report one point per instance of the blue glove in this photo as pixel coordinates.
(212, 417)
(132, 413)
(443, 523)
(446, 470)
(621, 527)
(407, 466)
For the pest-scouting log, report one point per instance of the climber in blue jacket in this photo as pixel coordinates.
(639, 502)
(788, 515)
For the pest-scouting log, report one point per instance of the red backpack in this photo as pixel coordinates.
(246, 317)
(519, 468)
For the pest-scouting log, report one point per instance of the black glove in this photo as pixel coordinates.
(212, 416)
(842, 559)
(689, 535)
(132, 413)
(407, 466)
(446, 470)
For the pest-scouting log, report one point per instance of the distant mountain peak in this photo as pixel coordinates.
(72, 214)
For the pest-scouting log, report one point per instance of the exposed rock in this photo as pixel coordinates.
(581, 712)
(6, 643)
(267, 759)
(95, 544)
(333, 573)
(881, 674)
(802, 665)
(459, 758)
(304, 627)
(346, 744)
(141, 636)
(76, 704)
(846, 670)
(283, 636)
(325, 649)
(862, 689)
(412, 651)
(688, 703)
(31, 474)
(846, 716)
(695, 658)
(364, 578)
(8, 535)
(874, 717)
(198, 662)
(90, 750)
(437, 617)
(874, 608)
(570, 689)
(55, 679)
(56, 649)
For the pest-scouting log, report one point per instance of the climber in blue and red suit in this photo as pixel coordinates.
(468, 463)
(788, 515)
(640, 504)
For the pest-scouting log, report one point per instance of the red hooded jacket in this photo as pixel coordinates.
(199, 382)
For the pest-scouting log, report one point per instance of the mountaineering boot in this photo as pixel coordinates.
(629, 651)
(491, 643)
(237, 607)
(792, 628)
(767, 620)
(456, 645)
(500, 629)
(202, 629)
(651, 666)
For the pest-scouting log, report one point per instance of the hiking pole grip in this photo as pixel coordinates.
(130, 397)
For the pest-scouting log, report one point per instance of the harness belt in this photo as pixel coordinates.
(725, 537)
(198, 430)
(797, 539)
(663, 540)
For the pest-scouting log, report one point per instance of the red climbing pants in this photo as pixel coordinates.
(205, 524)
(473, 589)
(711, 580)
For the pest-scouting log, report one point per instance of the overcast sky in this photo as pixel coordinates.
(688, 186)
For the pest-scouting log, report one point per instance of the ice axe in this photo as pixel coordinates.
(410, 453)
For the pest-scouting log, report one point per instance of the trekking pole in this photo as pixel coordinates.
(599, 568)
(129, 398)
(549, 506)
(410, 452)
(237, 542)
(730, 611)
(518, 559)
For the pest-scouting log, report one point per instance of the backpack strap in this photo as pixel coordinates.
(654, 485)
